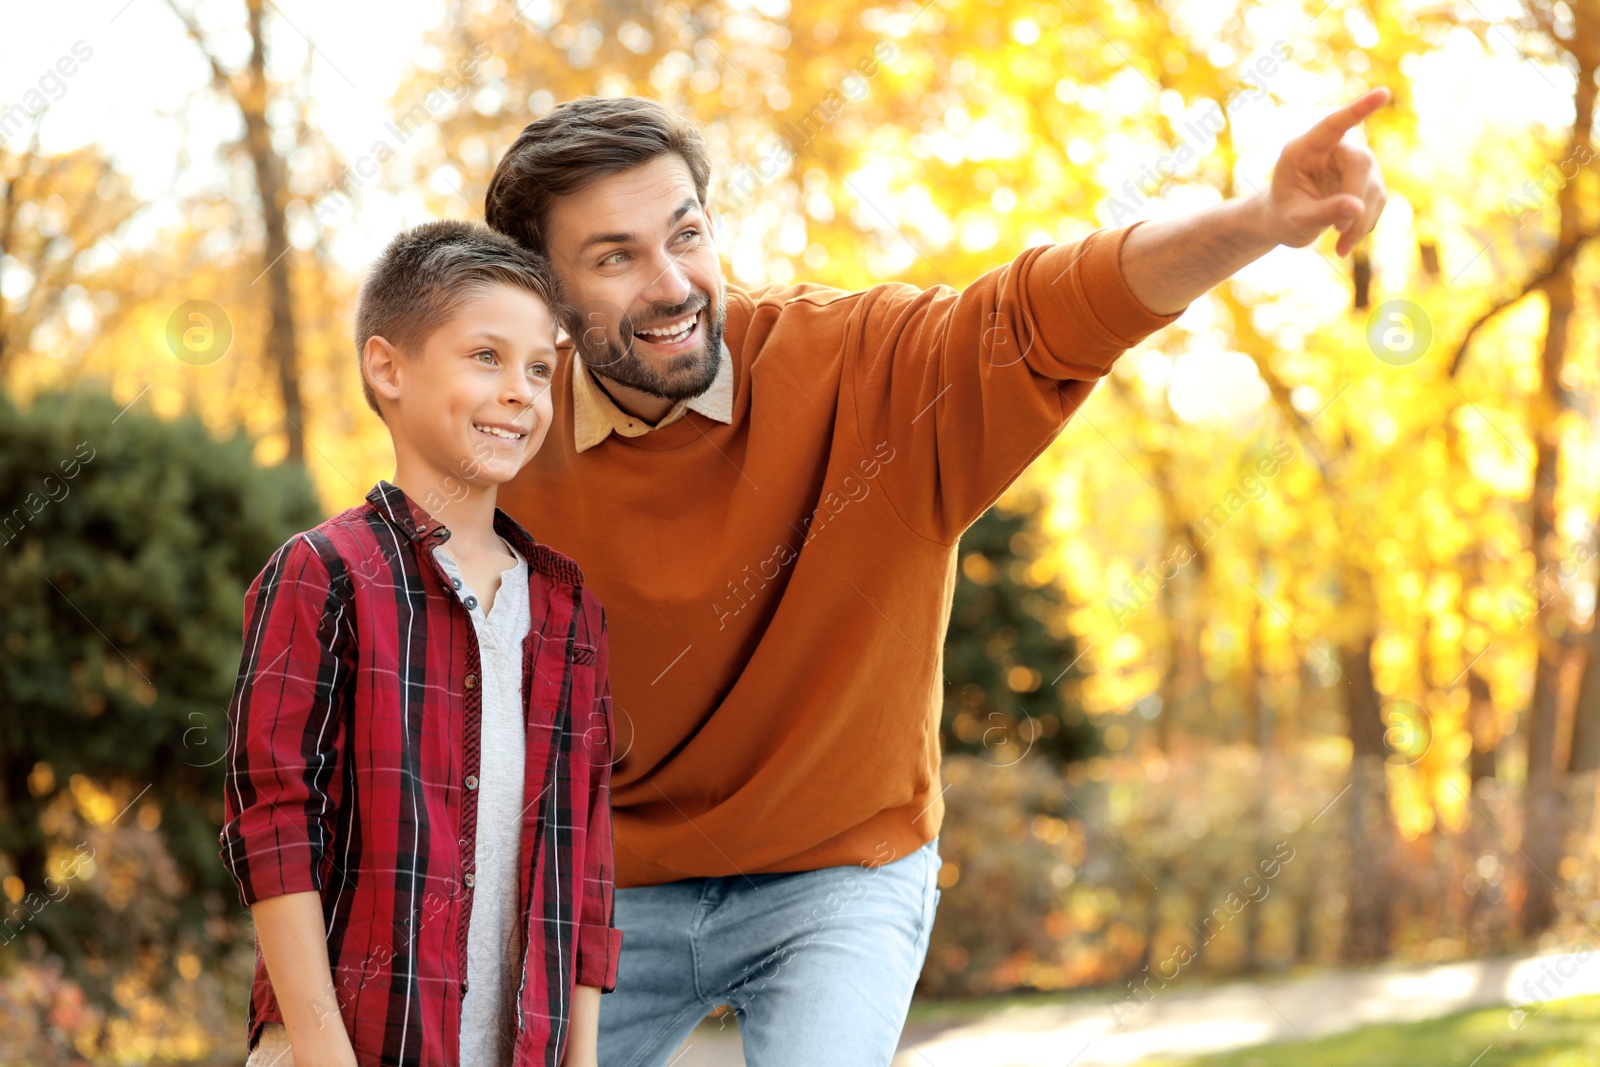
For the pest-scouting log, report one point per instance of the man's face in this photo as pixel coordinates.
(474, 404)
(637, 258)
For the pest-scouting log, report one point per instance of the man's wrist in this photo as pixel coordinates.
(1169, 263)
(1253, 225)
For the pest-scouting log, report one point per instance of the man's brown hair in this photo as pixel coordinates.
(578, 141)
(426, 274)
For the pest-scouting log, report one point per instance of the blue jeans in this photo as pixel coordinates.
(819, 965)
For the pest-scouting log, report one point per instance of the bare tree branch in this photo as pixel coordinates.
(251, 92)
(219, 77)
(1252, 344)
(1538, 281)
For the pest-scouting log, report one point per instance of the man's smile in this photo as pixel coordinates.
(674, 336)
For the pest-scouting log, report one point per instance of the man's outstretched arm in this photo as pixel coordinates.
(1320, 181)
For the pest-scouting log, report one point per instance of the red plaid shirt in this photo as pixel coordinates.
(352, 766)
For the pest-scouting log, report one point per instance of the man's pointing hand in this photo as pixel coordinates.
(1322, 180)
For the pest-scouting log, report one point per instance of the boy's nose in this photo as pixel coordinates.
(519, 393)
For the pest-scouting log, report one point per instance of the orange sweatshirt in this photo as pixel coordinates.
(778, 587)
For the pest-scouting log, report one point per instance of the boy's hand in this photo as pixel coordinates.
(322, 1056)
(583, 1033)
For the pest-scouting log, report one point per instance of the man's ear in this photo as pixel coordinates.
(381, 361)
(711, 224)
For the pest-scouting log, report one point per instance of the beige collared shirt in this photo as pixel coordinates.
(595, 416)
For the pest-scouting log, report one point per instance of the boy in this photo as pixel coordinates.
(419, 742)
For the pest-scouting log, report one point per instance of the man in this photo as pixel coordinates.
(766, 489)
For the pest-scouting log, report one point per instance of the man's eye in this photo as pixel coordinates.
(613, 259)
(690, 233)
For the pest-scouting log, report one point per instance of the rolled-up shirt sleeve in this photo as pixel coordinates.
(286, 725)
(599, 942)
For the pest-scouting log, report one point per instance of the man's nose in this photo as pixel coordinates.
(669, 283)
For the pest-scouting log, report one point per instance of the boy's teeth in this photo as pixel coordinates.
(498, 432)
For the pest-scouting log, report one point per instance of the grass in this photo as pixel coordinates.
(1564, 1033)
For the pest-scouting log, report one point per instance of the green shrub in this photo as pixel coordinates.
(126, 546)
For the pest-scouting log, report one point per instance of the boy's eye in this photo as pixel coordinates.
(484, 355)
(540, 370)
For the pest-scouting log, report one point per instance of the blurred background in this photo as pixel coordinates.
(1279, 666)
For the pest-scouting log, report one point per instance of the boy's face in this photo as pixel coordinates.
(474, 403)
(637, 258)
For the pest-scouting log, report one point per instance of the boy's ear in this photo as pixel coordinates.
(381, 360)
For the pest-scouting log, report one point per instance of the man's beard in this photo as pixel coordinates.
(685, 375)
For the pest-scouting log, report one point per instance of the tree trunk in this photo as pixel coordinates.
(1544, 821)
(251, 92)
(1586, 714)
(1369, 893)
(1179, 598)
(280, 342)
(1585, 748)
(1259, 716)
(1304, 927)
(1255, 724)
(1483, 725)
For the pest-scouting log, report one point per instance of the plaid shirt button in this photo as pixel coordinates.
(471, 880)
(472, 781)
(471, 681)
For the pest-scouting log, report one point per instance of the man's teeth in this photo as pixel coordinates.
(499, 432)
(671, 333)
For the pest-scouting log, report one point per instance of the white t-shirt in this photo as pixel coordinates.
(494, 940)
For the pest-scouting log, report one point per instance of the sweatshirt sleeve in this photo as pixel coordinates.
(970, 387)
(286, 727)
(599, 947)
